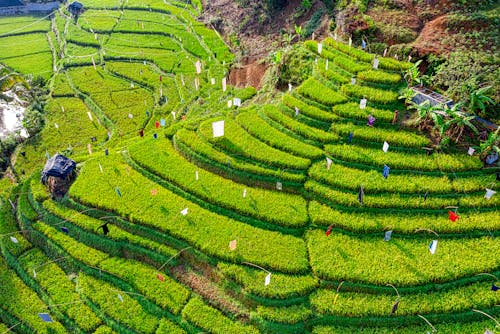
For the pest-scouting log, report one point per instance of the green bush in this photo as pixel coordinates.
(296, 66)
(213, 320)
(401, 261)
(315, 90)
(398, 160)
(279, 208)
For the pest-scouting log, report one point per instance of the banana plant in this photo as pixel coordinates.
(460, 121)
(490, 145)
(479, 100)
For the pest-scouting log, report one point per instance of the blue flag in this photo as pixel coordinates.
(349, 140)
(162, 122)
(363, 44)
(385, 172)
(118, 192)
(65, 230)
(155, 135)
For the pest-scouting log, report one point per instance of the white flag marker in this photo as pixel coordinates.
(328, 163)
(184, 212)
(375, 63)
(89, 114)
(237, 102)
(433, 246)
(218, 129)
(320, 48)
(173, 114)
(362, 103)
(196, 175)
(326, 65)
(56, 125)
(120, 298)
(14, 240)
(289, 87)
(471, 151)
(212, 81)
(224, 84)
(100, 168)
(489, 193)
(267, 281)
(385, 147)
(279, 186)
(353, 81)
(198, 67)
(245, 193)
(34, 273)
(130, 116)
(229, 103)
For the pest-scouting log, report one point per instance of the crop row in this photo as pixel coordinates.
(280, 208)
(340, 59)
(270, 249)
(374, 182)
(239, 142)
(384, 62)
(100, 21)
(315, 90)
(405, 161)
(20, 301)
(373, 95)
(400, 261)
(376, 134)
(298, 127)
(400, 201)
(190, 144)
(266, 133)
(17, 25)
(364, 305)
(351, 110)
(379, 77)
(307, 109)
(60, 289)
(143, 41)
(282, 286)
(371, 222)
(334, 74)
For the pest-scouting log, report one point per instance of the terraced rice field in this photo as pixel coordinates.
(286, 213)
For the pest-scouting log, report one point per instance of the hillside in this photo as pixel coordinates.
(325, 206)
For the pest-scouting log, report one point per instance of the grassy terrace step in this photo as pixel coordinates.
(272, 206)
(340, 59)
(369, 222)
(239, 142)
(405, 161)
(437, 306)
(478, 327)
(299, 128)
(259, 128)
(373, 95)
(168, 294)
(373, 181)
(351, 110)
(270, 249)
(190, 144)
(401, 201)
(288, 315)
(20, 301)
(91, 224)
(380, 77)
(373, 134)
(315, 90)
(60, 289)
(22, 24)
(281, 287)
(105, 298)
(384, 62)
(401, 262)
(213, 320)
(100, 21)
(115, 97)
(307, 109)
(334, 74)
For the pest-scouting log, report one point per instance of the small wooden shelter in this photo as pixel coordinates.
(58, 174)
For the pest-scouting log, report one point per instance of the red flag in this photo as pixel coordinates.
(157, 124)
(453, 216)
(141, 133)
(329, 230)
(154, 192)
(160, 277)
(161, 77)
